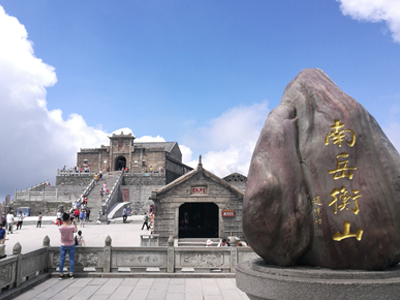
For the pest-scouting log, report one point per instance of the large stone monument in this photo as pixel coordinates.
(323, 189)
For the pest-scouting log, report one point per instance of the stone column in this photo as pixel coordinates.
(46, 243)
(17, 251)
(234, 257)
(107, 255)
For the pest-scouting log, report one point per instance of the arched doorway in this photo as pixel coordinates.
(198, 220)
(120, 162)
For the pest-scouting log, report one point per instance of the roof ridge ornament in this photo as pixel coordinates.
(200, 165)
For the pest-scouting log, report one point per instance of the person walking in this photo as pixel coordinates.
(67, 231)
(145, 221)
(80, 241)
(59, 215)
(82, 218)
(101, 194)
(124, 215)
(87, 214)
(10, 222)
(2, 234)
(20, 220)
(39, 222)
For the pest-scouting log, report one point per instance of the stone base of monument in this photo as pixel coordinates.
(261, 281)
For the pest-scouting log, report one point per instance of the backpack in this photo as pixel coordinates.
(76, 240)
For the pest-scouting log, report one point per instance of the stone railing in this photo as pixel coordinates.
(23, 271)
(52, 195)
(39, 186)
(168, 259)
(73, 173)
(112, 197)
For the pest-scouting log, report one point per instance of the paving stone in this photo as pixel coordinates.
(138, 294)
(99, 297)
(67, 293)
(122, 292)
(30, 294)
(176, 287)
(110, 286)
(98, 281)
(144, 283)
(54, 289)
(213, 297)
(210, 287)
(158, 289)
(175, 297)
(86, 292)
(130, 282)
(81, 282)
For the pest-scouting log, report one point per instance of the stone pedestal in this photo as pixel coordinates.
(261, 281)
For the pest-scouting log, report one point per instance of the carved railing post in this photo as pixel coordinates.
(17, 251)
(107, 255)
(234, 257)
(171, 255)
(46, 243)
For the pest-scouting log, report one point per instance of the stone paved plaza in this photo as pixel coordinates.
(31, 238)
(136, 289)
(127, 234)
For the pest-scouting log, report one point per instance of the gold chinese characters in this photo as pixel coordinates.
(343, 200)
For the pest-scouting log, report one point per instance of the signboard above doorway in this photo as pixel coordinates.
(199, 190)
(228, 213)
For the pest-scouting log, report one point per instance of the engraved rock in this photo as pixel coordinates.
(324, 182)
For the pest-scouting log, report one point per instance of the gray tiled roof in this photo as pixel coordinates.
(167, 146)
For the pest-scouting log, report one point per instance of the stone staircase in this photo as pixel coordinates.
(94, 202)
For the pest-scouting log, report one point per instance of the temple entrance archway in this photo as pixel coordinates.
(120, 163)
(198, 220)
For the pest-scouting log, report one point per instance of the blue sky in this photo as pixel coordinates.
(202, 73)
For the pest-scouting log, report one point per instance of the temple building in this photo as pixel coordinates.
(123, 152)
(199, 204)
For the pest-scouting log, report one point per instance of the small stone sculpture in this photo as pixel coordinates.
(324, 182)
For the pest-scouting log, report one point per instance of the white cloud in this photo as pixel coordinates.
(230, 140)
(375, 11)
(35, 141)
(149, 139)
(186, 153)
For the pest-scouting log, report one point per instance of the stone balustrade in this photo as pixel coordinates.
(29, 269)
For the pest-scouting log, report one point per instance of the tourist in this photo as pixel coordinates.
(87, 214)
(3, 220)
(124, 215)
(101, 194)
(79, 240)
(104, 187)
(76, 213)
(2, 234)
(101, 174)
(59, 217)
(20, 220)
(223, 243)
(96, 179)
(10, 222)
(16, 220)
(82, 218)
(67, 245)
(145, 221)
(151, 169)
(209, 243)
(39, 222)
